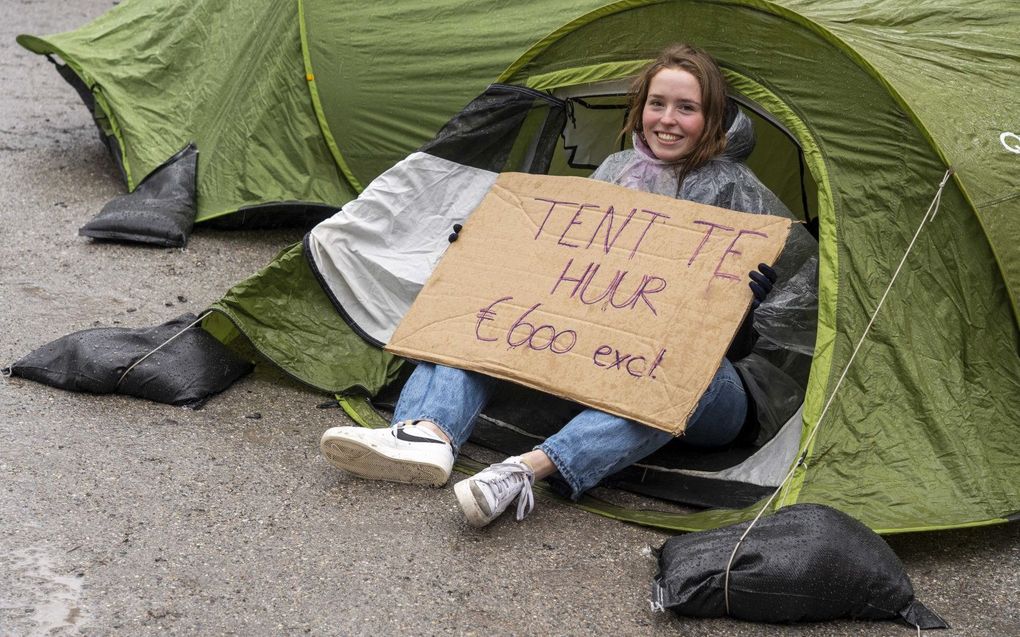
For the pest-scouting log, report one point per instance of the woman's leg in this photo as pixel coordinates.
(721, 412)
(595, 444)
(447, 397)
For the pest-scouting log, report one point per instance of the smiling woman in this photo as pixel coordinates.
(680, 125)
(678, 107)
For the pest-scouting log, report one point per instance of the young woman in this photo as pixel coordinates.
(680, 125)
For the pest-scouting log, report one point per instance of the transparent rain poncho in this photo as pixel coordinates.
(776, 371)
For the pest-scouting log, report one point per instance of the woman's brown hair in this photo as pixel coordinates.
(713, 99)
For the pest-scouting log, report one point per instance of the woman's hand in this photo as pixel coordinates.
(761, 283)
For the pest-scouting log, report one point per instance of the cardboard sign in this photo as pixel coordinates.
(615, 298)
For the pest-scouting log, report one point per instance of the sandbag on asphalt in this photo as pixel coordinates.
(160, 211)
(806, 562)
(186, 371)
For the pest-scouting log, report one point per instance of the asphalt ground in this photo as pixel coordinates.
(124, 517)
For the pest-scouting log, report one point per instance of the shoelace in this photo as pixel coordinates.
(504, 482)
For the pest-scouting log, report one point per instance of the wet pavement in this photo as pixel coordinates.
(124, 517)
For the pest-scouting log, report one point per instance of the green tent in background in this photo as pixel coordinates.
(873, 101)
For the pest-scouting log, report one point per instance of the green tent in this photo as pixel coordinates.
(861, 109)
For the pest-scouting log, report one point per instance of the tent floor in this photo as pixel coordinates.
(518, 418)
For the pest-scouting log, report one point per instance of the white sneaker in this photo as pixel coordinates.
(404, 453)
(485, 495)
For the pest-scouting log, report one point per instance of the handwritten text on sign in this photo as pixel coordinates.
(618, 299)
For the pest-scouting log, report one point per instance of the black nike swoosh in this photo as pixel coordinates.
(402, 435)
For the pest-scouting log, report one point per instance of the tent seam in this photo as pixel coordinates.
(320, 114)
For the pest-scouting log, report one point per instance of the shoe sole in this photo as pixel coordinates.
(476, 517)
(366, 461)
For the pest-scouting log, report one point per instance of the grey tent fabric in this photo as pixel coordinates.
(375, 254)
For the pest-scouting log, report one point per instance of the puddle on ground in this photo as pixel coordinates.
(36, 598)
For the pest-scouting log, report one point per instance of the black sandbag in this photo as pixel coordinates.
(806, 562)
(160, 211)
(186, 371)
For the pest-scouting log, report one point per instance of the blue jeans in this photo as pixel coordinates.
(593, 444)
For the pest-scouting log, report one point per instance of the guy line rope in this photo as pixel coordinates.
(928, 216)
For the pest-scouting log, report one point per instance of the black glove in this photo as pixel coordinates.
(456, 233)
(761, 284)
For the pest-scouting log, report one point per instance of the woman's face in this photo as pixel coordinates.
(672, 119)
